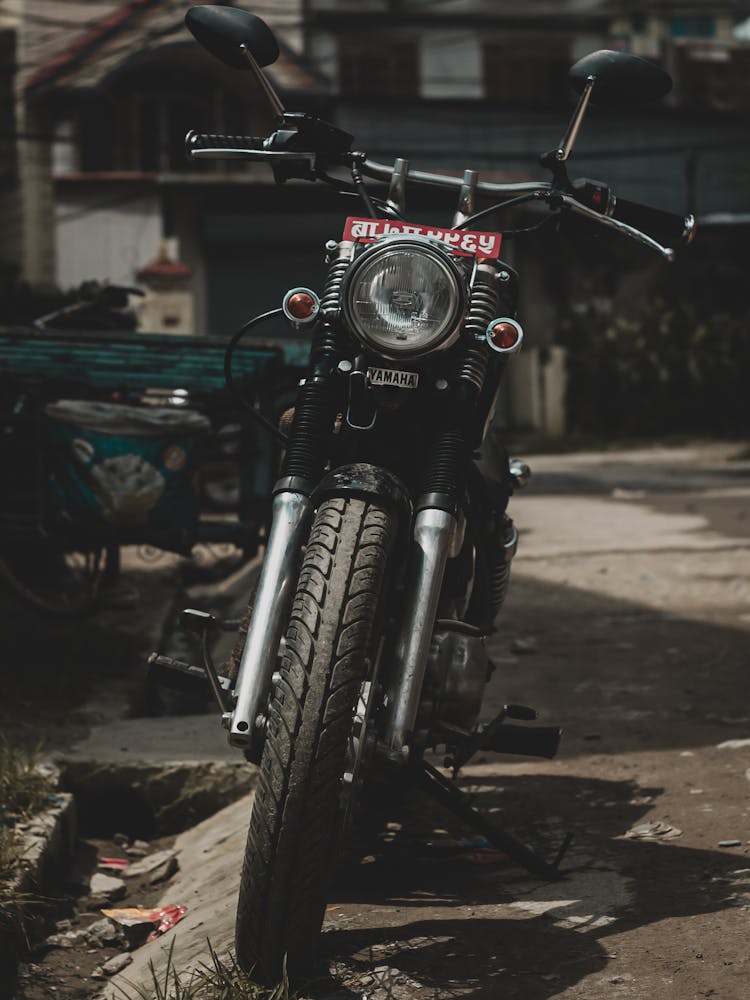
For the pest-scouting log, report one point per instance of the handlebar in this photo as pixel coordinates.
(215, 146)
(667, 227)
(203, 142)
(625, 217)
(381, 172)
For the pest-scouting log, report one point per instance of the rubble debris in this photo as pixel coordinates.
(655, 830)
(165, 870)
(108, 886)
(104, 932)
(148, 864)
(116, 964)
(138, 849)
(526, 645)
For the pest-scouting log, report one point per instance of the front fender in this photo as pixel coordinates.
(360, 479)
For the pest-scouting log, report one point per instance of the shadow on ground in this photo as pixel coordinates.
(457, 922)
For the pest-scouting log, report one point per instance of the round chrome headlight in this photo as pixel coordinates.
(404, 297)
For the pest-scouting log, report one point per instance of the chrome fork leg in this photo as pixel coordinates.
(273, 602)
(433, 533)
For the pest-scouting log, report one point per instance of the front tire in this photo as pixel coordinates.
(295, 824)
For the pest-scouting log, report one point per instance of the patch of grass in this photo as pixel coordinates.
(24, 789)
(219, 979)
(8, 853)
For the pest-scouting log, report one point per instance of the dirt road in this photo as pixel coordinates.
(632, 586)
(628, 625)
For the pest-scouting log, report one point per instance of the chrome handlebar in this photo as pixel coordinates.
(379, 171)
(197, 147)
(541, 190)
(619, 227)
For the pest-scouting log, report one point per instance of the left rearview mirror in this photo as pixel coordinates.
(223, 31)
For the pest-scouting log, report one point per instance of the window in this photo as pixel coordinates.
(7, 104)
(144, 130)
(378, 70)
(713, 77)
(692, 26)
(529, 75)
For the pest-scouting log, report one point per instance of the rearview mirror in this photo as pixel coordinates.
(620, 79)
(223, 31)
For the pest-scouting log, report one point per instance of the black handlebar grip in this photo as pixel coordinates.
(195, 141)
(666, 227)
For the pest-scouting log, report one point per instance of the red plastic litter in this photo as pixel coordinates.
(164, 918)
(114, 864)
(167, 916)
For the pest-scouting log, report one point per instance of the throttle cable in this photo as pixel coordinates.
(264, 422)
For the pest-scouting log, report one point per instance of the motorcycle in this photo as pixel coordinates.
(389, 552)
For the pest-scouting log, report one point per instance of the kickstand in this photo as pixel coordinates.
(451, 796)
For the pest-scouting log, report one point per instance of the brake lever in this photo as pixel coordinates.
(558, 198)
(251, 154)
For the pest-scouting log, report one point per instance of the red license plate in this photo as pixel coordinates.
(461, 241)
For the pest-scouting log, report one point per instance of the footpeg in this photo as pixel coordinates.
(181, 676)
(529, 741)
(501, 737)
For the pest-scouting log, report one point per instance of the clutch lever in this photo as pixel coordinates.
(559, 198)
(263, 155)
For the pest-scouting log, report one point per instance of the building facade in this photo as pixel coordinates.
(96, 180)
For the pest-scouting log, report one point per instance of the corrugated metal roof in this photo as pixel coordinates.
(87, 57)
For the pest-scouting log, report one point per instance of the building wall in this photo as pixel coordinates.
(106, 235)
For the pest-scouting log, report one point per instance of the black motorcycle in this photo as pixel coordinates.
(389, 551)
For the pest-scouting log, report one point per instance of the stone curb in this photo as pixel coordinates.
(46, 847)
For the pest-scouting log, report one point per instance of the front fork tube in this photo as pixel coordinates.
(273, 602)
(434, 531)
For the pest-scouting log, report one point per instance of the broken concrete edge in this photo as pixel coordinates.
(177, 794)
(45, 847)
(210, 859)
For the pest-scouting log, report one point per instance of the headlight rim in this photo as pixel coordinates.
(439, 253)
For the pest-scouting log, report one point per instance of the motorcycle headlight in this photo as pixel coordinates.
(404, 298)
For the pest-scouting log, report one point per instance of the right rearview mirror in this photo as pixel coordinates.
(620, 79)
(223, 31)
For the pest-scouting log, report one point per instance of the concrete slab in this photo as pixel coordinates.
(210, 859)
(172, 739)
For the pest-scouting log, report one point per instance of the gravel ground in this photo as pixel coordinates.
(627, 624)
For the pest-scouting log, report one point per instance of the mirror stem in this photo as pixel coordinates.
(568, 141)
(273, 98)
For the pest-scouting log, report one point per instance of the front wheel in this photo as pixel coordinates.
(296, 818)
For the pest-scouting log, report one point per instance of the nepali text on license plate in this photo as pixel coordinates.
(393, 377)
(466, 243)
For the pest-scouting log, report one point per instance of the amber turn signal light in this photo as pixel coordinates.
(505, 335)
(301, 306)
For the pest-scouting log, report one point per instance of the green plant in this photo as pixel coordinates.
(658, 367)
(219, 979)
(24, 788)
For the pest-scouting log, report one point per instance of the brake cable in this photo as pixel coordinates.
(345, 188)
(508, 233)
(519, 200)
(362, 191)
(264, 422)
